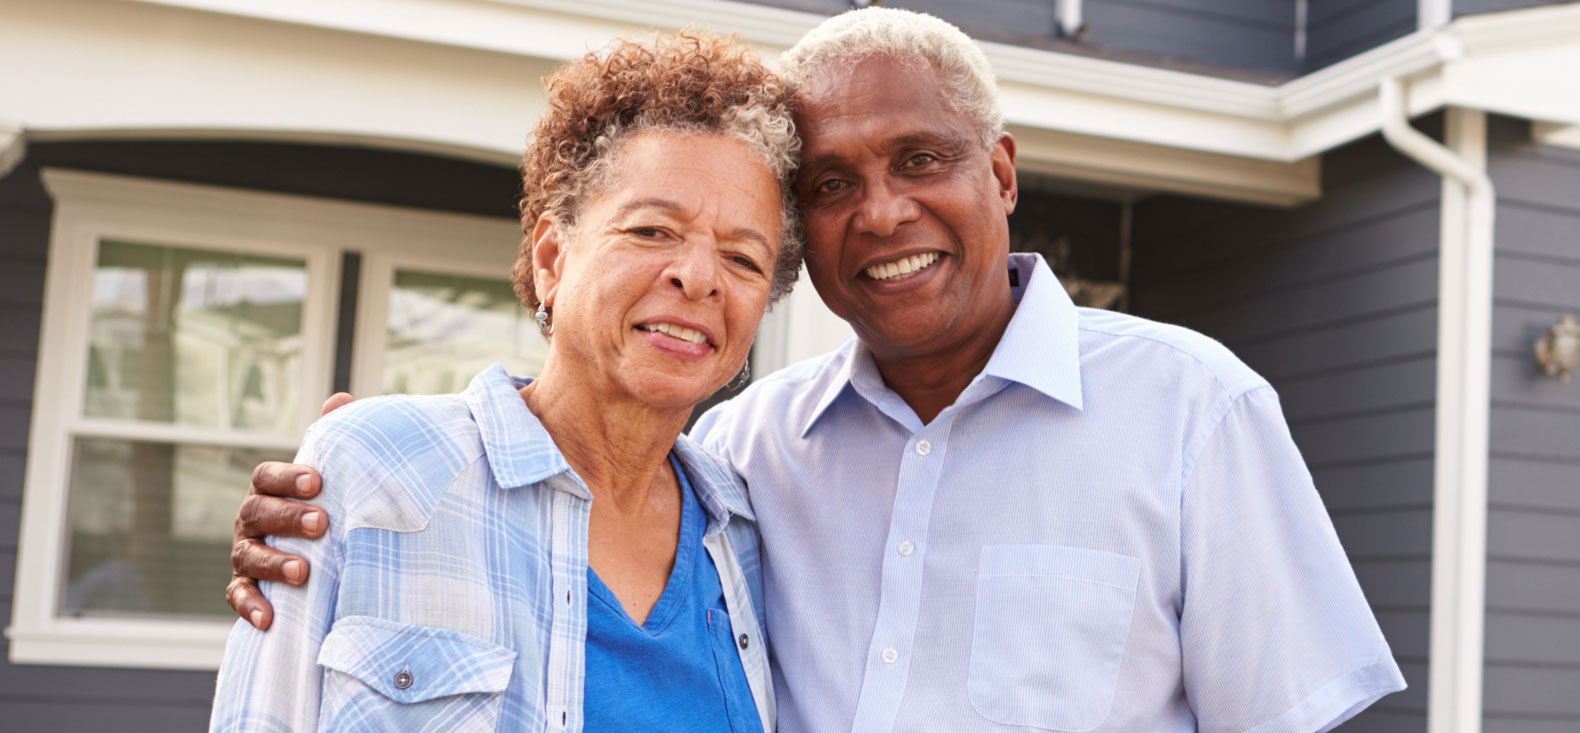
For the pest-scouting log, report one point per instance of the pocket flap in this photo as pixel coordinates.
(411, 664)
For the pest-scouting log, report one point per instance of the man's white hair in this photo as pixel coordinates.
(912, 39)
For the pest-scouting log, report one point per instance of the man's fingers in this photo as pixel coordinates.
(257, 561)
(276, 478)
(335, 402)
(245, 599)
(270, 515)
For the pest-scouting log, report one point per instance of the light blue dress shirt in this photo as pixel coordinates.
(451, 593)
(1110, 530)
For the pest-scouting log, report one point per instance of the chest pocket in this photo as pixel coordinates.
(383, 676)
(1049, 634)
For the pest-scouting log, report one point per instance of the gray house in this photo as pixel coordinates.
(214, 212)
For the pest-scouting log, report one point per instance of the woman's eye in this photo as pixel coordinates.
(747, 263)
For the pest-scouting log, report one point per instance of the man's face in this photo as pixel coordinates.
(905, 212)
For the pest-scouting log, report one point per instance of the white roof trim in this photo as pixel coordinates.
(467, 98)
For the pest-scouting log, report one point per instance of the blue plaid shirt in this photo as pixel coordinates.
(451, 593)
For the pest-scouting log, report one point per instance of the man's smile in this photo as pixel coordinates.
(902, 268)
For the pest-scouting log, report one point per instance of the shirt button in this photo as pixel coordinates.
(923, 447)
(890, 655)
(402, 680)
(745, 641)
(906, 548)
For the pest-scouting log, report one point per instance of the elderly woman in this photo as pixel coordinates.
(553, 553)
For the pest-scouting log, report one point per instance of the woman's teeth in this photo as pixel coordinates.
(680, 332)
(903, 268)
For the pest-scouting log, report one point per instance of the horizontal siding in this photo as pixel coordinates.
(1236, 33)
(1371, 486)
(1533, 522)
(1531, 692)
(70, 713)
(1474, 7)
(1524, 587)
(1335, 303)
(1339, 29)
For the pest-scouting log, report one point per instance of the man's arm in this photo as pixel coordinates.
(1274, 630)
(273, 506)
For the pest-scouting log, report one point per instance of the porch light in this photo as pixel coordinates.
(1558, 351)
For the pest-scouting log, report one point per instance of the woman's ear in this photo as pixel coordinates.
(548, 258)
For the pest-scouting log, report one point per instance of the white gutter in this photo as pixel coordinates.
(1433, 13)
(1464, 355)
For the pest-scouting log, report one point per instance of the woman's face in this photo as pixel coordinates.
(658, 293)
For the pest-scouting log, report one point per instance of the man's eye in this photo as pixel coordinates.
(918, 160)
(831, 185)
(648, 232)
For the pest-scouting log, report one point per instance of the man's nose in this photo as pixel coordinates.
(883, 210)
(695, 270)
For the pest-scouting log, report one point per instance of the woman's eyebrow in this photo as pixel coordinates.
(651, 202)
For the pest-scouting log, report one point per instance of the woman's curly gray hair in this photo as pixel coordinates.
(686, 83)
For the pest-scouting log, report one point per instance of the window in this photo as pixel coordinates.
(189, 333)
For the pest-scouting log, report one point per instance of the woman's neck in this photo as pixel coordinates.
(618, 447)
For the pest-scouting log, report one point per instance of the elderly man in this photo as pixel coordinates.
(994, 510)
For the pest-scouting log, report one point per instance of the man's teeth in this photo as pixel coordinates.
(897, 270)
(680, 332)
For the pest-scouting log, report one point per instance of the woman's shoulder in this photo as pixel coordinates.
(391, 457)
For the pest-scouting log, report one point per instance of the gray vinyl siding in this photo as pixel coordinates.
(65, 699)
(1335, 303)
(1241, 34)
(1253, 34)
(1472, 7)
(1533, 523)
(1339, 29)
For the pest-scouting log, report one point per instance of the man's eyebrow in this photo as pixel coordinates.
(948, 143)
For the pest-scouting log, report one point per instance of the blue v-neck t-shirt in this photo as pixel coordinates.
(679, 670)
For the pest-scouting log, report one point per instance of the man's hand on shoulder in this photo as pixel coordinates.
(273, 507)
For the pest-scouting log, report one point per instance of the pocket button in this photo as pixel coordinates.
(402, 680)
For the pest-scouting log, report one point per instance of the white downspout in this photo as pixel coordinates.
(1433, 13)
(1464, 362)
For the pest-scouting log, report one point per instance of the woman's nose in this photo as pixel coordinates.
(695, 271)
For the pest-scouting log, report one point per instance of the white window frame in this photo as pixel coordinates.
(92, 207)
(377, 279)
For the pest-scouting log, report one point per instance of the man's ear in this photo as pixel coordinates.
(548, 258)
(1004, 171)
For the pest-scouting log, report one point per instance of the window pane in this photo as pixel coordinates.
(195, 337)
(150, 526)
(444, 329)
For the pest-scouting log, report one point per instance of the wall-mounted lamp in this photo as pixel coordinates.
(1558, 351)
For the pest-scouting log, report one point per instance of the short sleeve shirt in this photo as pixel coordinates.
(1110, 530)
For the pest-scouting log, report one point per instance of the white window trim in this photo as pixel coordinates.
(375, 281)
(90, 207)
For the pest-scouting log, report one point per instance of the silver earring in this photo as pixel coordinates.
(741, 379)
(542, 317)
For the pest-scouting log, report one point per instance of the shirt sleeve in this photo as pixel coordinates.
(270, 680)
(1275, 633)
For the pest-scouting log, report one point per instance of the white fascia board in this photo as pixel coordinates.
(1551, 133)
(458, 77)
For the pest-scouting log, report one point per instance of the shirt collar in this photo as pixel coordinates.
(521, 452)
(1040, 348)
